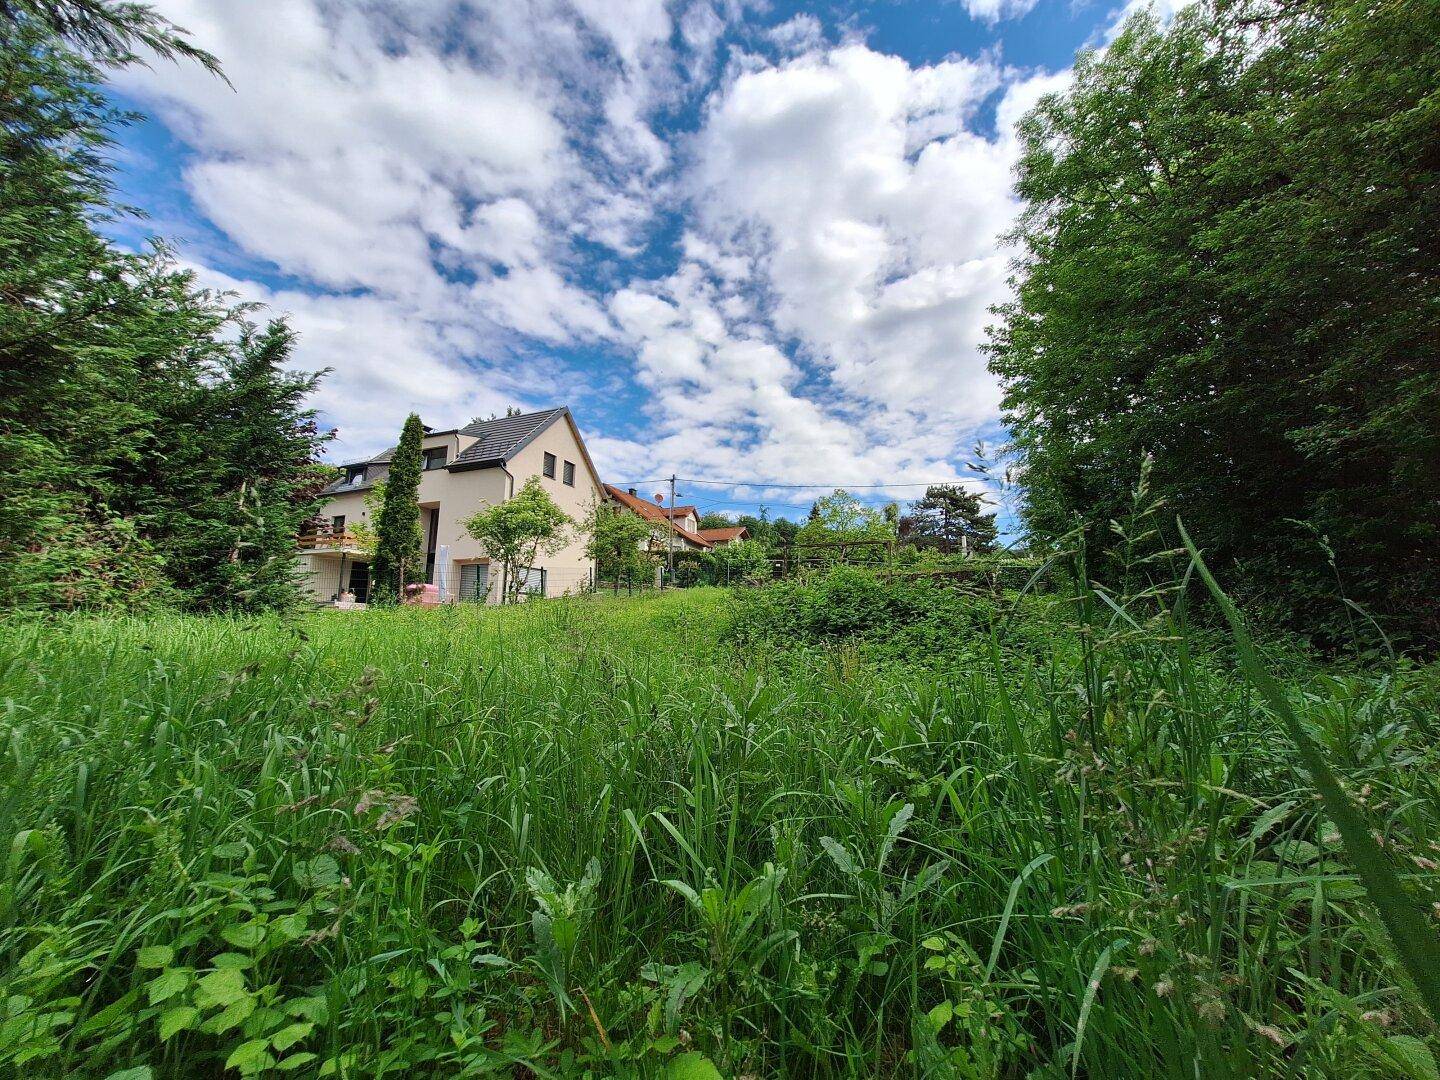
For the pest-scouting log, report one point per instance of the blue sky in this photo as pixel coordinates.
(743, 241)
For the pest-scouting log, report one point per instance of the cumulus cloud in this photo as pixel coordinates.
(993, 11)
(460, 199)
(427, 163)
(825, 322)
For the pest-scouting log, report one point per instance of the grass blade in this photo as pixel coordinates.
(1414, 940)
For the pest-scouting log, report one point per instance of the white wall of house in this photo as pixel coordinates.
(456, 496)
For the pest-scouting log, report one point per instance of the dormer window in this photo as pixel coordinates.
(435, 458)
(354, 474)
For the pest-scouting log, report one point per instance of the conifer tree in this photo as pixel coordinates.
(952, 518)
(398, 560)
(154, 450)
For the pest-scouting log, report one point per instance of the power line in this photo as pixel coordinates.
(807, 487)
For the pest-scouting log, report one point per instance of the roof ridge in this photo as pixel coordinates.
(466, 430)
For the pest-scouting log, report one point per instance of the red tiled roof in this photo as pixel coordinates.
(680, 511)
(730, 532)
(651, 512)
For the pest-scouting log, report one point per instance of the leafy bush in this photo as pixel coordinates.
(893, 616)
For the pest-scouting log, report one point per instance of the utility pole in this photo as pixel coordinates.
(670, 537)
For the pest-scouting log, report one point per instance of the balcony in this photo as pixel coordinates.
(329, 542)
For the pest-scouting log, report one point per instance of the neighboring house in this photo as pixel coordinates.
(674, 530)
(464, 470)
(687, 517)
(731, 534)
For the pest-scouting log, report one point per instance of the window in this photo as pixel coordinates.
(531, 580)
(435, 458)
(570, 473)
(337, 524)
(354, 474)
(474, 581)
(549, 467)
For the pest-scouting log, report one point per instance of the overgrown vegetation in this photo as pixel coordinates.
(612, 837)
(1229, 262)
(154, 448)
(959, 815)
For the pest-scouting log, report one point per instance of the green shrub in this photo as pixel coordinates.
(893, 616)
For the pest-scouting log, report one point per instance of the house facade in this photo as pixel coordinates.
(676, 527)
(724, 537)
(464, 470)
(673, 529)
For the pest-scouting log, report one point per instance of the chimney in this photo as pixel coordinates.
(632, 491)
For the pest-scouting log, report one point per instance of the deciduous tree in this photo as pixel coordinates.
(518, 531)
(1229, 261)
(616, 541)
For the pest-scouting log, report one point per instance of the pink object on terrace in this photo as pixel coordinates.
(424, 595)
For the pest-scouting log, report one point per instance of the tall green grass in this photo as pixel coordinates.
(613, 837)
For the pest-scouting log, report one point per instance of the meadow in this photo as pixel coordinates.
(844, 829)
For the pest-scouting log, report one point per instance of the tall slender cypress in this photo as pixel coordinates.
(398, 557)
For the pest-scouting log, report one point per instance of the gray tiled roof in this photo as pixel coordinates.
(497, 440)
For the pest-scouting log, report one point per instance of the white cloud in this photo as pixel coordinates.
(842, 203)
(993, 11)
(434, 178)
(427, 163)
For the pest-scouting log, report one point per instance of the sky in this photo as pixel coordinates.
(752, 244)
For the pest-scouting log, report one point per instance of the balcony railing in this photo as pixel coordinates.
(328, 541)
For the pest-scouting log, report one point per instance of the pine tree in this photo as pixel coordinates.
(952, 518)
(398, 560)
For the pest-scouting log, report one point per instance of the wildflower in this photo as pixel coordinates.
(400, 808)
(1274, 1034)
(1210, 1009)
(1164, 988)
(1424, 863)
(1148, 947)
(1382, 1017)
(343, 844)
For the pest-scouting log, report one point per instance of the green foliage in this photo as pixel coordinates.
(155, 448)
(1077, 844)
(742, 562)
(889, 616)
(398, 558)
(558, 921)
(951, 518)
(362, 530)
(616, 540)
(1229, 264)
(110, 33)
(716, 521)
(520, 530)
(838, 519)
